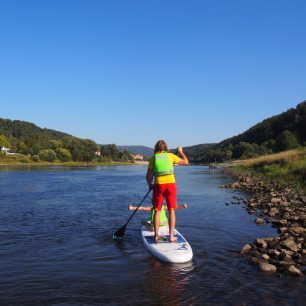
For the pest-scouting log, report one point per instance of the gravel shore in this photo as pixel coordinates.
(285, 210)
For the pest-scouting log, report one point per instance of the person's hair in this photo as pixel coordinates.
(161, 146)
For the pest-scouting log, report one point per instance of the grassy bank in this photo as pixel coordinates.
(19, 160)
(286, 168)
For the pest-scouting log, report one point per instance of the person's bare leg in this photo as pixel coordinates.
(156, 224)
(172, 224)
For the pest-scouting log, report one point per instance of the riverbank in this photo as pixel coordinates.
(68, 164)
(274, 202)
(286, 168)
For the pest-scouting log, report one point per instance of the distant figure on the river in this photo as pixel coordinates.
(161, 169)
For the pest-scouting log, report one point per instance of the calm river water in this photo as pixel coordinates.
(56, 246)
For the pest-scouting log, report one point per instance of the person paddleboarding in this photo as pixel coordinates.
(161, 171)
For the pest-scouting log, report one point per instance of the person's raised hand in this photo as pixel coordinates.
(180, 150)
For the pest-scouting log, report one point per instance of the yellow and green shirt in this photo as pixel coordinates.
(168, 178)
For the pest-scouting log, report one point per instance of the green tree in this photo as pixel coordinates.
(55, 144)
(228, 155)
(47, 155)
(81, 149)
(63, 154)
(286, 141)
(244, 150)
(4, 142)
(269, 144)
(22, 148)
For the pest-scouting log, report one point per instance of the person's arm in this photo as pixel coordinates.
(178, 206)
(130, 207)
(149, 177)
(184, 159)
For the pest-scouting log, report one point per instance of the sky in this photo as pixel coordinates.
(133, 72)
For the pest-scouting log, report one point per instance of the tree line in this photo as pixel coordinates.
(50, 145)
(278, 133)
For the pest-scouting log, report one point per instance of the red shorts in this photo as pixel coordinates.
(164, 191)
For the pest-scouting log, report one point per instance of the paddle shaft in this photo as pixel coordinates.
(137, 207)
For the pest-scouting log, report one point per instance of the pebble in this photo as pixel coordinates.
(259, 221)
(246, 249)
(267, 267)
(294, 271)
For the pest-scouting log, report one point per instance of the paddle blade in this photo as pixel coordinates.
(119, 234)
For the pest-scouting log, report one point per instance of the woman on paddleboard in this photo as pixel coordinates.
(161, 169)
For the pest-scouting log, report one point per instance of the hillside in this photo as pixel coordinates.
(195, 153)
(278, 133)
(43, 144)
(22, 130)
(293, 120)
(143, 150)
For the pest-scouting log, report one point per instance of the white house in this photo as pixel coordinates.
(137, 157)
(6, 151)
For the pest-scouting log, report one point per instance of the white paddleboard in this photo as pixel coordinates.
(175, 252)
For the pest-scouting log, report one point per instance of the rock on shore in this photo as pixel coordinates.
(287, 212)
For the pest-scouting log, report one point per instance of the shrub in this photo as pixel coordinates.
(286, 141)
(47, 155)
(63, 154)
(35, 158)
(4, 142)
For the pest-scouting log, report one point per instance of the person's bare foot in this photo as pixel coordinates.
(172, 239)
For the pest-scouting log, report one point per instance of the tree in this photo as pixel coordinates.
(22, 148)
(286, 141)
(55, 144)
(63, 154)
(4, 142)
(244, 150)
(47, 155)
(81, 149)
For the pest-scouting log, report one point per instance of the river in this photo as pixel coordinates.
(56, 247)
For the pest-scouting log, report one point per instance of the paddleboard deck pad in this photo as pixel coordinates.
(176, 252)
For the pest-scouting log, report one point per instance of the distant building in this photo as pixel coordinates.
(137, 157)
(6, 151)
(97, 153)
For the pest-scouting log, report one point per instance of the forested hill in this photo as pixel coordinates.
(23, 130)
(195, 153)
(293, 120)
(143, 150)
(45, 144)
(278, 133)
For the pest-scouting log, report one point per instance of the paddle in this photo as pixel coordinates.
(120, 232)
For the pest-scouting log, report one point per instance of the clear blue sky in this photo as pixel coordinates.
(132, 72)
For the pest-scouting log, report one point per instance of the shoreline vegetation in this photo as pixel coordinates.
(287, 168)
(275, 185)
(24, 160)
(18, 163)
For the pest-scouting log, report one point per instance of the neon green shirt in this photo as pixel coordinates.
(163, 219)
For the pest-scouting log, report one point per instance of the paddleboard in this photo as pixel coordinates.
(175, 252)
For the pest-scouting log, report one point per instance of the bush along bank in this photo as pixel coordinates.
(286, 210)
